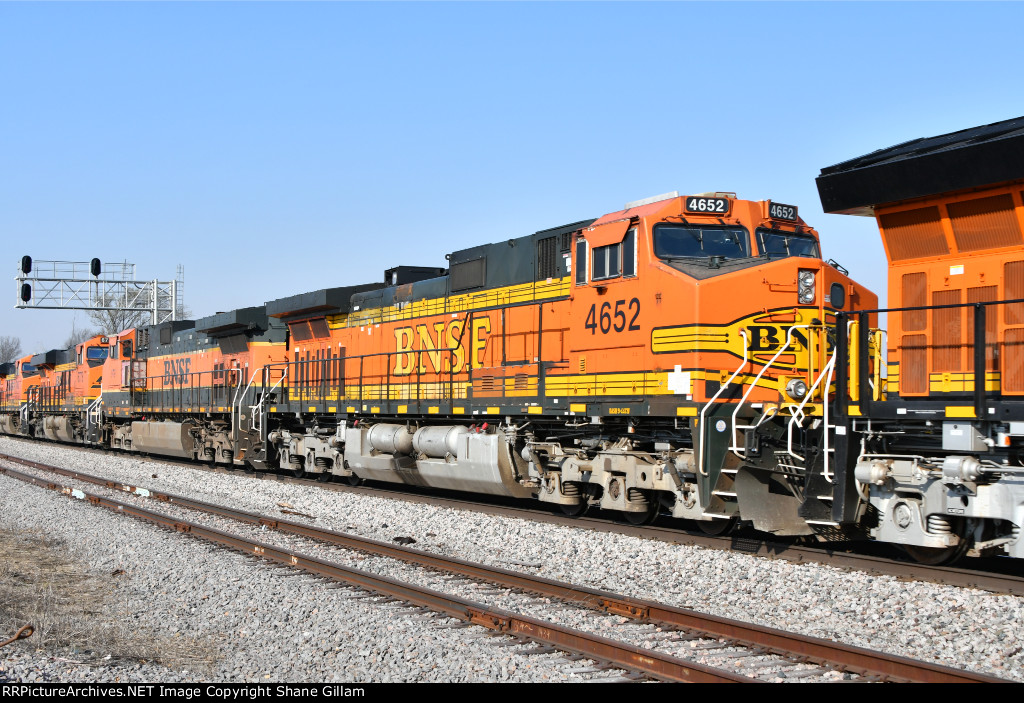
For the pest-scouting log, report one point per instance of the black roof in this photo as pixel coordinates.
(969, 158)
(326, 301)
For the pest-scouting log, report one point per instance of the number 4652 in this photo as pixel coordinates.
(607, 319)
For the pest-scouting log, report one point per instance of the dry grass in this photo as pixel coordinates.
(78, 614)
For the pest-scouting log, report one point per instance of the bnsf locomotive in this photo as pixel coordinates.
(690, 356)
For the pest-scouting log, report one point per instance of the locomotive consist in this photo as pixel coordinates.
(691, 356)
(672, 355)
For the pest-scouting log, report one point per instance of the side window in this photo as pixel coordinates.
(581, 262)
(629, 254)
(607, 262)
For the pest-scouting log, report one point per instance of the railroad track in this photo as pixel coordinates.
(993, 575)
(739, 652)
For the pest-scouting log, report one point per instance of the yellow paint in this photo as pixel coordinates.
(493, 411)
(535, 410)
(618, 411)
(433, 410)
(853, 410)
(578, 408)
(350, 409)
(312, 408)
(403, 408)
(459, 411)
(959, 411)
(374, 410)
(686, 412)
(332, 409)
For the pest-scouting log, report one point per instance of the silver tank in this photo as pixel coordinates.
(391, 439)
(439, 441)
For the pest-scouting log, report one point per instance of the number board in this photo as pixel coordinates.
(704, 206)
(778, 211)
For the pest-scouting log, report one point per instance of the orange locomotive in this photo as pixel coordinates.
(674, 355)
(936, 445)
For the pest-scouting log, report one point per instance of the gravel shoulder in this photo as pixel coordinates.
(247, 622)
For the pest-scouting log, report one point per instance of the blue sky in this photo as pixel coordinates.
(275, 148)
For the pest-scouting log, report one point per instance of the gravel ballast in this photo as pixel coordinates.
(269, 624)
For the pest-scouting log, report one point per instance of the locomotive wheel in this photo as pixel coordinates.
(938, 556)
(645, 518)
(298, 473)
(717, 526)
(353, 480)
(575, 510)
(324, 477)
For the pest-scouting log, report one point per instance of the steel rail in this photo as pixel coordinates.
(762, 547)
(847, 657)
(621, 655)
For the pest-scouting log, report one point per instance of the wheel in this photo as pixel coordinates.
(353, 480)
(937, 556)
(577, 510)
(323, 477)
(717, 526)
(644, 518)
(298, 473)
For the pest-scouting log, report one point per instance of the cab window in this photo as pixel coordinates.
(774, 243)
(672, 241)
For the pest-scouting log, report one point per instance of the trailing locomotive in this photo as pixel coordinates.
(934, 446)
(672, 356)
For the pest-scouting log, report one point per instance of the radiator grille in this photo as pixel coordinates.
(913, 364)
(984, 223)
(913, 234)
(946, 331)
(915, 294)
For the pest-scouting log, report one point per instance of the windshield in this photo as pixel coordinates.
(27, 369)
(96, 353)
(775, 243)
(696, 242)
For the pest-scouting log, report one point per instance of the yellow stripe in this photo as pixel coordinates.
(959, 411)
(403, 408)
(433, 410)
(578, 408)
(493, 411)
(535, 410)
(686, 412)
(459, 411)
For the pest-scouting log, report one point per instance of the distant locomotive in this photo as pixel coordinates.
(690, 355)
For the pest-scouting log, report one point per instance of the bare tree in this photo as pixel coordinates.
(111, 322)
(10, 349)
(77, 335)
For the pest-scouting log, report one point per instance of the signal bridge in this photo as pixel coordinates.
(90, 285)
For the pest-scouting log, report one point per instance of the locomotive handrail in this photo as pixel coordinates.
(257, 410)
(753, 384)
(446, 378)
(721, 389)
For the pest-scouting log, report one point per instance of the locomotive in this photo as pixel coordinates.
(934, 445)
(675, 355)
(690, 356)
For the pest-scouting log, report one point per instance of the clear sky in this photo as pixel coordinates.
(276, 148)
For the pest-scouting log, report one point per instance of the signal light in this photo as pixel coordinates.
(94, 267)
(26, 292)
(26, 265)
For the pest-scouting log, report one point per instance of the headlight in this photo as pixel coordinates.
(796, 389)
(805, 286)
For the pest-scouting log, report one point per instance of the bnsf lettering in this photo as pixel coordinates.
(768, 338)
(439, 347)
(176, 371)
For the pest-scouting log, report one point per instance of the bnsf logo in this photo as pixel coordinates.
(439, 347)
(176, 371)
(769, 338)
